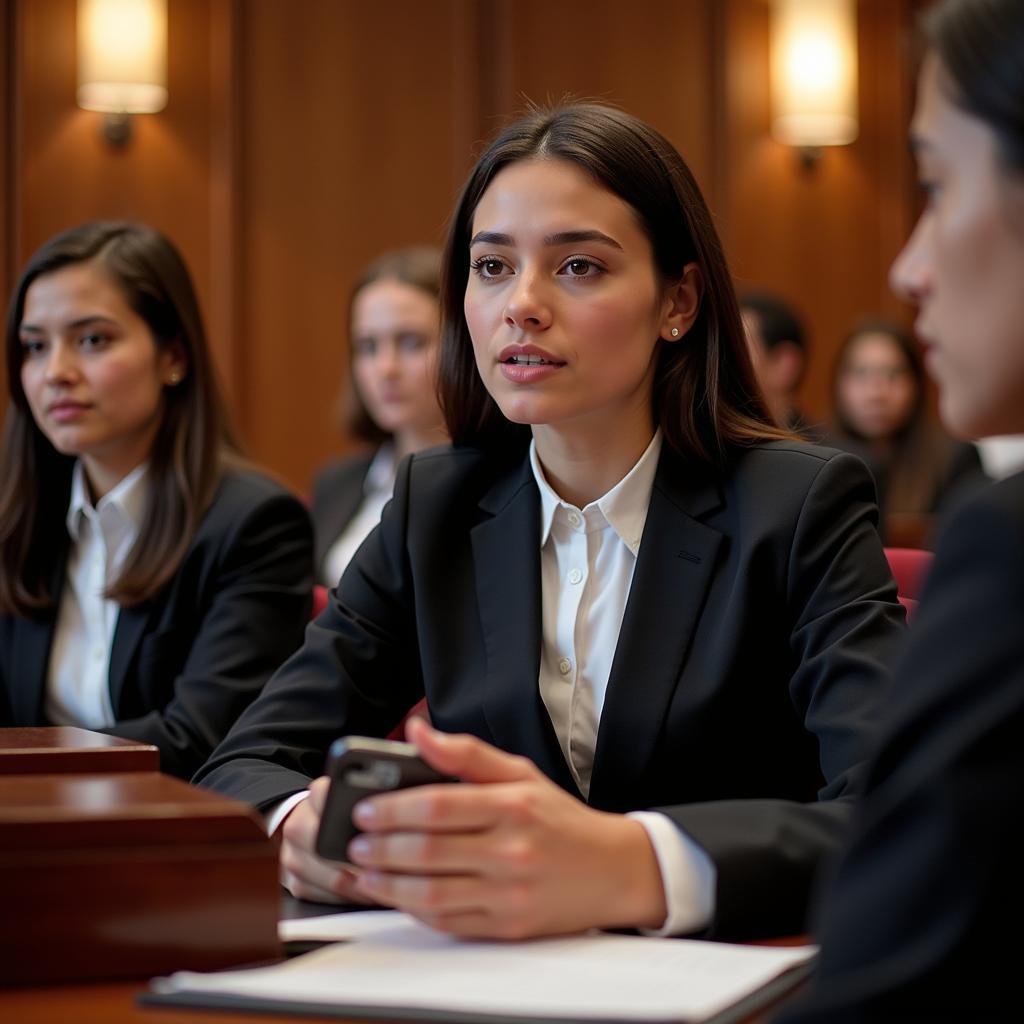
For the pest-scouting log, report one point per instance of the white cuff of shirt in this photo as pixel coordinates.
(277, 814)
(687, 874)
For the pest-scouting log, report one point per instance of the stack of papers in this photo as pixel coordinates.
(385, 961)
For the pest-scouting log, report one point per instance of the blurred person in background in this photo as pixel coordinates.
(390, 400)
(778, 348)
(881, 414)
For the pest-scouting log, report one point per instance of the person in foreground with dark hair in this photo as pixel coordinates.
(778, 347)
(881, 415)
(623, 585)
(150, 580)
(390, 399)
(919, 921)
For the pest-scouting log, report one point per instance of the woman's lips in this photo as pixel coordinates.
(64, 412)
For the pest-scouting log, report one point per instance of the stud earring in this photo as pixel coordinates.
(175, 377)
(674, 332)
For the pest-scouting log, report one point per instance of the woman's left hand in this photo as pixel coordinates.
(506, 854)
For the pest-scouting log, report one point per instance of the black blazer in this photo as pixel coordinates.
(914, 923)
(337, 495)
(185, 664)
(754, 643)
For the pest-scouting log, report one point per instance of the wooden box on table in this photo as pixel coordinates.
(53, 749)
(130, 874)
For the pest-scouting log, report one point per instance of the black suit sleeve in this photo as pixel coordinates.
(357, 673)
(261, 583)
(844, 636)
(933, 872)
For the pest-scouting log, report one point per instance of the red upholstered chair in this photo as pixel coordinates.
(910, 567)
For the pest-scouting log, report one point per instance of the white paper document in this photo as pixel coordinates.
(390, 961)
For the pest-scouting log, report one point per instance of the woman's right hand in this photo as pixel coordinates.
(303, 873)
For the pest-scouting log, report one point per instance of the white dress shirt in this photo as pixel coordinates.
(378, 486)
(78, 675)
(587, 559)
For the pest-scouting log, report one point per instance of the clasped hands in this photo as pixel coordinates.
(506, 854)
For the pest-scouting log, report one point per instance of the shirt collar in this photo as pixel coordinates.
(624, 507)
(127, 500)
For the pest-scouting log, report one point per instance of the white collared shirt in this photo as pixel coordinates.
(78, 676)
(587, 559)
(378, 486)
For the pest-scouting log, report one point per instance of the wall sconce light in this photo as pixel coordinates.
(122, 61)
(814, 74)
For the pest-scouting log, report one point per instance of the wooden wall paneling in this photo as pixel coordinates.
(654, 59)
(6, 141)
(823, 238)
(358, 128)
(7, 59)
(66, 173)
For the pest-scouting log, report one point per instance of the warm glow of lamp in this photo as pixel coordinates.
(122, 56)
(814, 72)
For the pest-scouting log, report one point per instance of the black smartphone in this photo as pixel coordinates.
(359, 767)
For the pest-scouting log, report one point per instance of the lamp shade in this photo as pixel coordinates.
(814, 72)
(122, 55)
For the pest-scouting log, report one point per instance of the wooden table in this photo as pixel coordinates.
(60, 749)
(114, 875)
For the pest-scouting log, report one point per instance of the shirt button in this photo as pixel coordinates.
(574, 519)
(565, 666)
(575, 575)
(97, 655)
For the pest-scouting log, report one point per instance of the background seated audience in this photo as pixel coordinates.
(918, 922)
(779, 349)
(660, 625)
(390, 399)
(881, 414)
(150, 579)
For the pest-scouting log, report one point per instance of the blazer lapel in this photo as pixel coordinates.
(30, 658)
(33, 639)
(131, 623)
(506, 557)
(340, 506)
(675, 567)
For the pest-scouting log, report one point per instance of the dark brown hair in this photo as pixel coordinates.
(705, 398)
(918, 461)
(979, 43)
(191, 447)
(419, 267)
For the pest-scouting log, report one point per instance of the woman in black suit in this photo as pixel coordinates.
(150, 579)
(918, 922)
(659, 622)
(390, 400)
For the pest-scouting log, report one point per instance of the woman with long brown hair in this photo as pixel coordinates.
(880, 413)
(150, 579)
(659, 622)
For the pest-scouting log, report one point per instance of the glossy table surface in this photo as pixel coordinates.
(53, 749)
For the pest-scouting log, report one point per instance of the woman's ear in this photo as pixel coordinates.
(682, 303)
(175, 365)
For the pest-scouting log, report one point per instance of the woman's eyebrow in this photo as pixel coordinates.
(84, 321)
(572, 237)
(561, 238)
